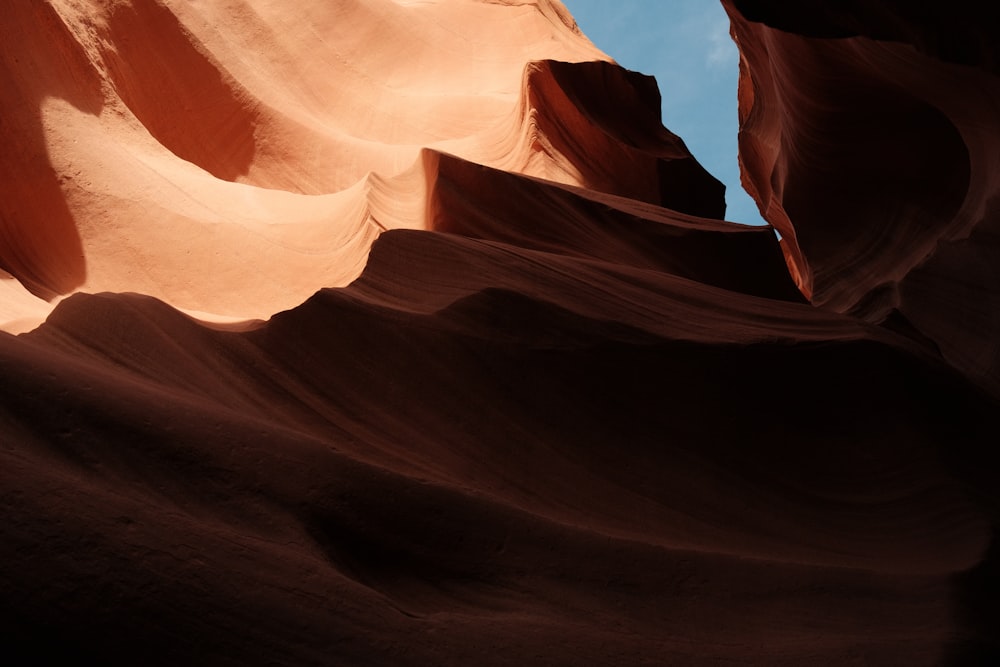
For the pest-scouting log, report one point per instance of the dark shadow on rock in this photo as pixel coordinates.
(177, 93)
(977, 593)
(39, 58)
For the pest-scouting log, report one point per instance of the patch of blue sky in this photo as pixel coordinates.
(685, 44)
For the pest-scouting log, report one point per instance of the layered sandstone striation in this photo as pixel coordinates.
(232, 159)
(402, 332)
(869, 137)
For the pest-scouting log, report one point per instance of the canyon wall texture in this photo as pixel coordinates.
(386, 332)
(870, 138)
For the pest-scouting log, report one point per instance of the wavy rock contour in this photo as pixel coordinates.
(402, 332)
(869, 138)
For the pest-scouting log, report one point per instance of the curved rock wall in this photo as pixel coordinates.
(418, 340)
(870, 136)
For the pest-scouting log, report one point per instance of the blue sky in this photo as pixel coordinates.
(685, 44)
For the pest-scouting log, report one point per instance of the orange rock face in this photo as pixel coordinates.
(870, 139)
(402, 332)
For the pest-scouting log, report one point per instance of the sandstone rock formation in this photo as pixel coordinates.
(400, 332)
(870, 136)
